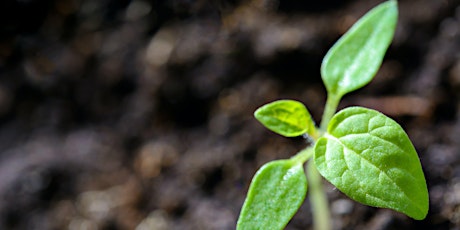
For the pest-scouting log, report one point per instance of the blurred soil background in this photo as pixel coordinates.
(130, 114)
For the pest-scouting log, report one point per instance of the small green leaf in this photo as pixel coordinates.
(276, 193)
(354, 60)
(285, 117)
(370, 158)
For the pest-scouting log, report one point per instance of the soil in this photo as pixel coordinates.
(124, 114)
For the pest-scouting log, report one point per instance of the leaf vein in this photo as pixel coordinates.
(369, 162)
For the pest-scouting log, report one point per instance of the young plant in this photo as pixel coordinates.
(362, 152)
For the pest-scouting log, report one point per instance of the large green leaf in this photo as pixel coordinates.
(286, 117)
(276, 193)
(354, 60)
(370, 158)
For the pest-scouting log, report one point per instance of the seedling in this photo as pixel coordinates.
(362, 152)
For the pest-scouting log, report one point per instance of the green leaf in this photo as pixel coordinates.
(354, 60)
(286, 117)
(370, 158)
(276, 193)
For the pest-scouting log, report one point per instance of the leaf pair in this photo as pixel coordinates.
(364, 153)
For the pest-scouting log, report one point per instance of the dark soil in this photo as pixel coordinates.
(117, 114)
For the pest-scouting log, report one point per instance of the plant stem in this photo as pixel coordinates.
(329, 110)
(318, 199)
(304, 155)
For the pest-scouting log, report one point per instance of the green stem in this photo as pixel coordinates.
(304, 155)
(318, 199)
(329, 111)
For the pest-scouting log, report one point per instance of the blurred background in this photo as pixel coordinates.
(125, 114)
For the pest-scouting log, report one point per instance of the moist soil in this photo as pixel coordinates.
(124, 114)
